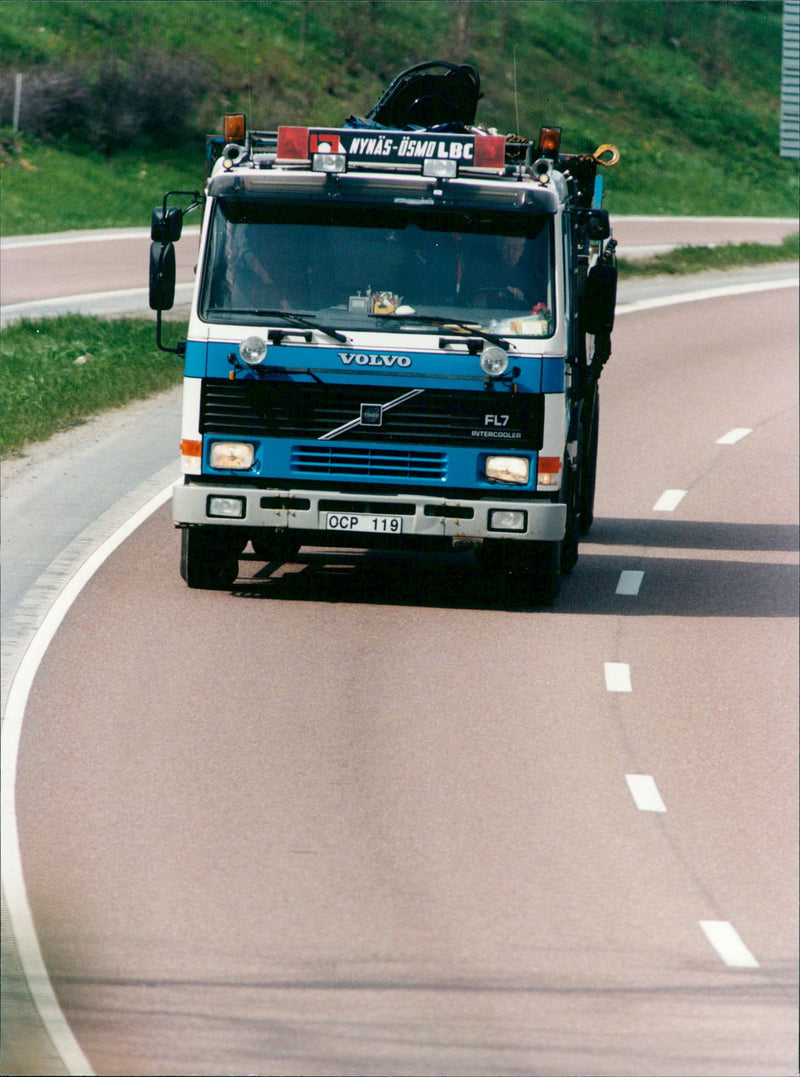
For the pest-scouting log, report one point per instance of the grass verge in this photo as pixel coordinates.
(725, 256)
(59, 372)
(48, 189)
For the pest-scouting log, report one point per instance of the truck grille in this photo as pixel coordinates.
(433, 417)
(369, 463)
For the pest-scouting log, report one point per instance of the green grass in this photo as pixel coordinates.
(59, 372)
(48, 189)
(725, 256)
(689, 92)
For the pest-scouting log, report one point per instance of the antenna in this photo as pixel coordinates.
(516, 97)
(249, 87)
(247, 49)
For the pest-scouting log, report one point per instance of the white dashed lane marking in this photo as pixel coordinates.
(725, 939)
(734, 435)
(629, 582)
(645, 792)
(721, 934)
(669, 500)
(618, 676)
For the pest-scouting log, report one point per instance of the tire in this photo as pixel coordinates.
(572, 533)
(541, 571)
(274, 545)
(589, 467)
(528, 571)
(208, 561)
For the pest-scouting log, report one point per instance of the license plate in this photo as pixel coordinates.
(364, 521)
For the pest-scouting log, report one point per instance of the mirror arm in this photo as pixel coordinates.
(178, 349)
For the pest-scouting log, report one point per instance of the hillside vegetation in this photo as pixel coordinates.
(118, 96)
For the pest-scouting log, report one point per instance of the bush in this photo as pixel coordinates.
(121, 104)
(153, 98)
(54, 102)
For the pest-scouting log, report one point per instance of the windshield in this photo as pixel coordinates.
(346, 264)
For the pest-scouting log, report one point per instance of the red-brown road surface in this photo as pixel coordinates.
(91, 269)
(365, 815)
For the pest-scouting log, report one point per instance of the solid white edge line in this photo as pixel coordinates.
(734, 435)
(618, 676)
(630, 580)
(60, 239)
(719, 292)
(645, 792)
(19, 910)
(669, 500)
(182, 288)
(648, 218)
(85, 297)
(725, 939)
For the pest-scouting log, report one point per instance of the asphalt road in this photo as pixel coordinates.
(364, 814)
(106, 271)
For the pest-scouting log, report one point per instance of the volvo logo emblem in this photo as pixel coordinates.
(365, 359)
(371, 414)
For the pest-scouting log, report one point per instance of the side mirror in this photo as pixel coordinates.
(598, 225)
(599, 299)
(162, 276)
(166, 225)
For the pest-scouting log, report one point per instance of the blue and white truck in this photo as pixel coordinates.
(395, 339)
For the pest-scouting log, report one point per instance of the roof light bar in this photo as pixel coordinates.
(490, 151)
(549, 141)
(234, 127)
(293, 143)
(439, 168)
(329, 162)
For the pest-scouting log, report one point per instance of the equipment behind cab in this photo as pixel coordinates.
(425, 97)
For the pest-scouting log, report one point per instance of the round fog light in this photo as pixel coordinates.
(494, 361)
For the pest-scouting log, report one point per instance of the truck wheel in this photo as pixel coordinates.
(274, 546)
(541, 570)
(572, 533)
(589, 468)
(531, 571)
(208, 561)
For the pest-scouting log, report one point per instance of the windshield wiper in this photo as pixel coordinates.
(435, 319)
(302, 321)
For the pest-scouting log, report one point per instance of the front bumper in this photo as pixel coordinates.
(423, 516)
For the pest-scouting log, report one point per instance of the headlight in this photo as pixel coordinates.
(514, 469)
(494, 360)
(231, 455)
(253, 350)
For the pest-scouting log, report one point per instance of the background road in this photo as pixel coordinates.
(107, 270)
(363, 815)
